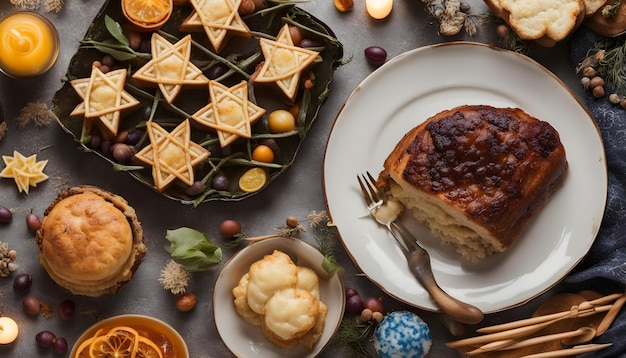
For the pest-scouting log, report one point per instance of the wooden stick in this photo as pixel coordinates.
(529, 321)
(610, 316)
(570, 351)
(513, 333)
(515, 344)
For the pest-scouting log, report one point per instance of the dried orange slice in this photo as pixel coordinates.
(147, 14)
(252, 180)
(119, 342)
(147, 348)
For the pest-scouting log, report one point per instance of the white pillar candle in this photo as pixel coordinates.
(8, 330)
(378, 9)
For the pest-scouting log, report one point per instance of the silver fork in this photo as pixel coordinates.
(386, 212)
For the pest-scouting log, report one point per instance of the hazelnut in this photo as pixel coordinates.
(186, 302)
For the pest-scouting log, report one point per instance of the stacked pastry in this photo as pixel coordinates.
(283, 299)
(90, 241)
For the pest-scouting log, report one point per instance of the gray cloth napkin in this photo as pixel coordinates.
(604, 268)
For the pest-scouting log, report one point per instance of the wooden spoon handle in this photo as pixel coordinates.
(419, 263)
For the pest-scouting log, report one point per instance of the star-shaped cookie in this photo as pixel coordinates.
(218, 18)
(172, 155)
(104, 98)
(229, 112)
(170, 67)
(284, 62)
(26, 171)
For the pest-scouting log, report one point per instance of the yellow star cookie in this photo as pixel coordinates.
(103, 97)
(26, 171)
(172, 155)
(171, 67)
(284, 62)
(218, 18)
(229, 112)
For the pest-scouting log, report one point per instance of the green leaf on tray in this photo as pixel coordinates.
(193, 249)
(115, 30)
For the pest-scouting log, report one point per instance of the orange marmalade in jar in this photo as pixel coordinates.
(130, 335)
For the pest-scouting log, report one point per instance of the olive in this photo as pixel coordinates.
(308, 43)
(145, 46)
(33, 223)
(31, 305)
(230, 228)
(60, 345)
(122, 152)
(95, 141)
(196, 188)
(45, 338)
(134, 40)
(375, 55)
(67, 309)
(217, 70)
(105, 147)
(5, 215)
(22, 283)
(220, 182)
(133, 137)
(108, 60)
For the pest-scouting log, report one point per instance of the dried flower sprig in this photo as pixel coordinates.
(175, 278)
(611, 10)
(36, 112)
(7, 255)
(49, 5)
(26, 4)
(53, 5)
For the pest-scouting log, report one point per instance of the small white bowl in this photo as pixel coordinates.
(138, 322)
(246, 340)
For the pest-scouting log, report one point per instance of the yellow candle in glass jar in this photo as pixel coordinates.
(29, 44)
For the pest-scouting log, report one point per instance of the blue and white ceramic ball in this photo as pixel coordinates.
(402, 334)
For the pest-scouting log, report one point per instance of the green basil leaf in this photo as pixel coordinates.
(193, 249)
(115, 30)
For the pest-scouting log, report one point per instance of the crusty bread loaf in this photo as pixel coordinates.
(90, 241)
(476, 175)
(545, 22)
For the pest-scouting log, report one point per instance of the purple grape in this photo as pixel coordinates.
(375, 55)
(45, 338)
(60, 345)
(22, 282)
(67, 309)
(354, 304)
(5, 215)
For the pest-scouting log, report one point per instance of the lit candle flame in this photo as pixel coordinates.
(378, 9)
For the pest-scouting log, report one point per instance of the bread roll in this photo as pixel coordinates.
(90, 241)
(476, 175)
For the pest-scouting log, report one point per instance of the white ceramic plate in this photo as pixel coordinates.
(246, 340)
(420, 83)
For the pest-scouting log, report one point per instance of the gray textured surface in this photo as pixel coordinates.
(296, 193)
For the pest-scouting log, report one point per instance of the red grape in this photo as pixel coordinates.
(230, 228)
(5, 215)
(374, 304)
(350, 292)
